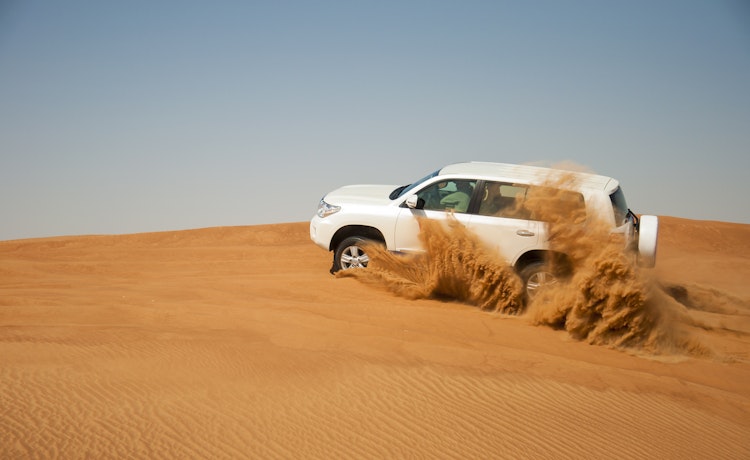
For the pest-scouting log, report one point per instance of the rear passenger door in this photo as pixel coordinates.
(502, 222)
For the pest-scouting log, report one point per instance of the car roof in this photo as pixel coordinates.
(528, 174)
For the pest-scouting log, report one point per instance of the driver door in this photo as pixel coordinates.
(438, 201)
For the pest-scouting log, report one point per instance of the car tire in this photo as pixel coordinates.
(535, 276)
(648, 233)
(350, 253)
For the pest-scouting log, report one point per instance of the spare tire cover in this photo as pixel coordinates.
(648, 233)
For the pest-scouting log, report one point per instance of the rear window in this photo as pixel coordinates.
(619, 206)
(519, 201)
(503, 200)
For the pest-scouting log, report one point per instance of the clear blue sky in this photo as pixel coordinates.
(133, 116)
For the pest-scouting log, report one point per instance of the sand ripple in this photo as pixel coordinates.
(202, 345)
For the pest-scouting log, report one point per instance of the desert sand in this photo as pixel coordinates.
(236, 342)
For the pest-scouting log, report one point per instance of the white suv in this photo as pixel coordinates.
(485, 197)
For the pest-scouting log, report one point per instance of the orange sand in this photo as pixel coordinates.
(238, 343)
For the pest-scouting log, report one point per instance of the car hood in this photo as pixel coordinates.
(365, 194)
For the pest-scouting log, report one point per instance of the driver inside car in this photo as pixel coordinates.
(458, 201)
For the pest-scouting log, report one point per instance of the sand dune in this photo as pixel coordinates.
(237, 343)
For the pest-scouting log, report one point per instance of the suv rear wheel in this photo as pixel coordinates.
(536, 276)
(350, 253)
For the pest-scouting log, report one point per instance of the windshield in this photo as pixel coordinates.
(404, 189)
(619, 206)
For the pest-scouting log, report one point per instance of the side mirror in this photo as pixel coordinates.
(413, 202)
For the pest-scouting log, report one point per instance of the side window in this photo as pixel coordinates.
(555, 205)
(501, 199)
(450, 195)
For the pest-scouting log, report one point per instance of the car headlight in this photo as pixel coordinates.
(325, 209)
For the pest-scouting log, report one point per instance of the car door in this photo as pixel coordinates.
(438, 200)
(501, 221)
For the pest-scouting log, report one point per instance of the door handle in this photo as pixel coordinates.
(524, 233)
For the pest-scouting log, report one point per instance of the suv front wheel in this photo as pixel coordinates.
(350, 253)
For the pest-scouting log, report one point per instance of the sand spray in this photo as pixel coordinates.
(606, 300)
